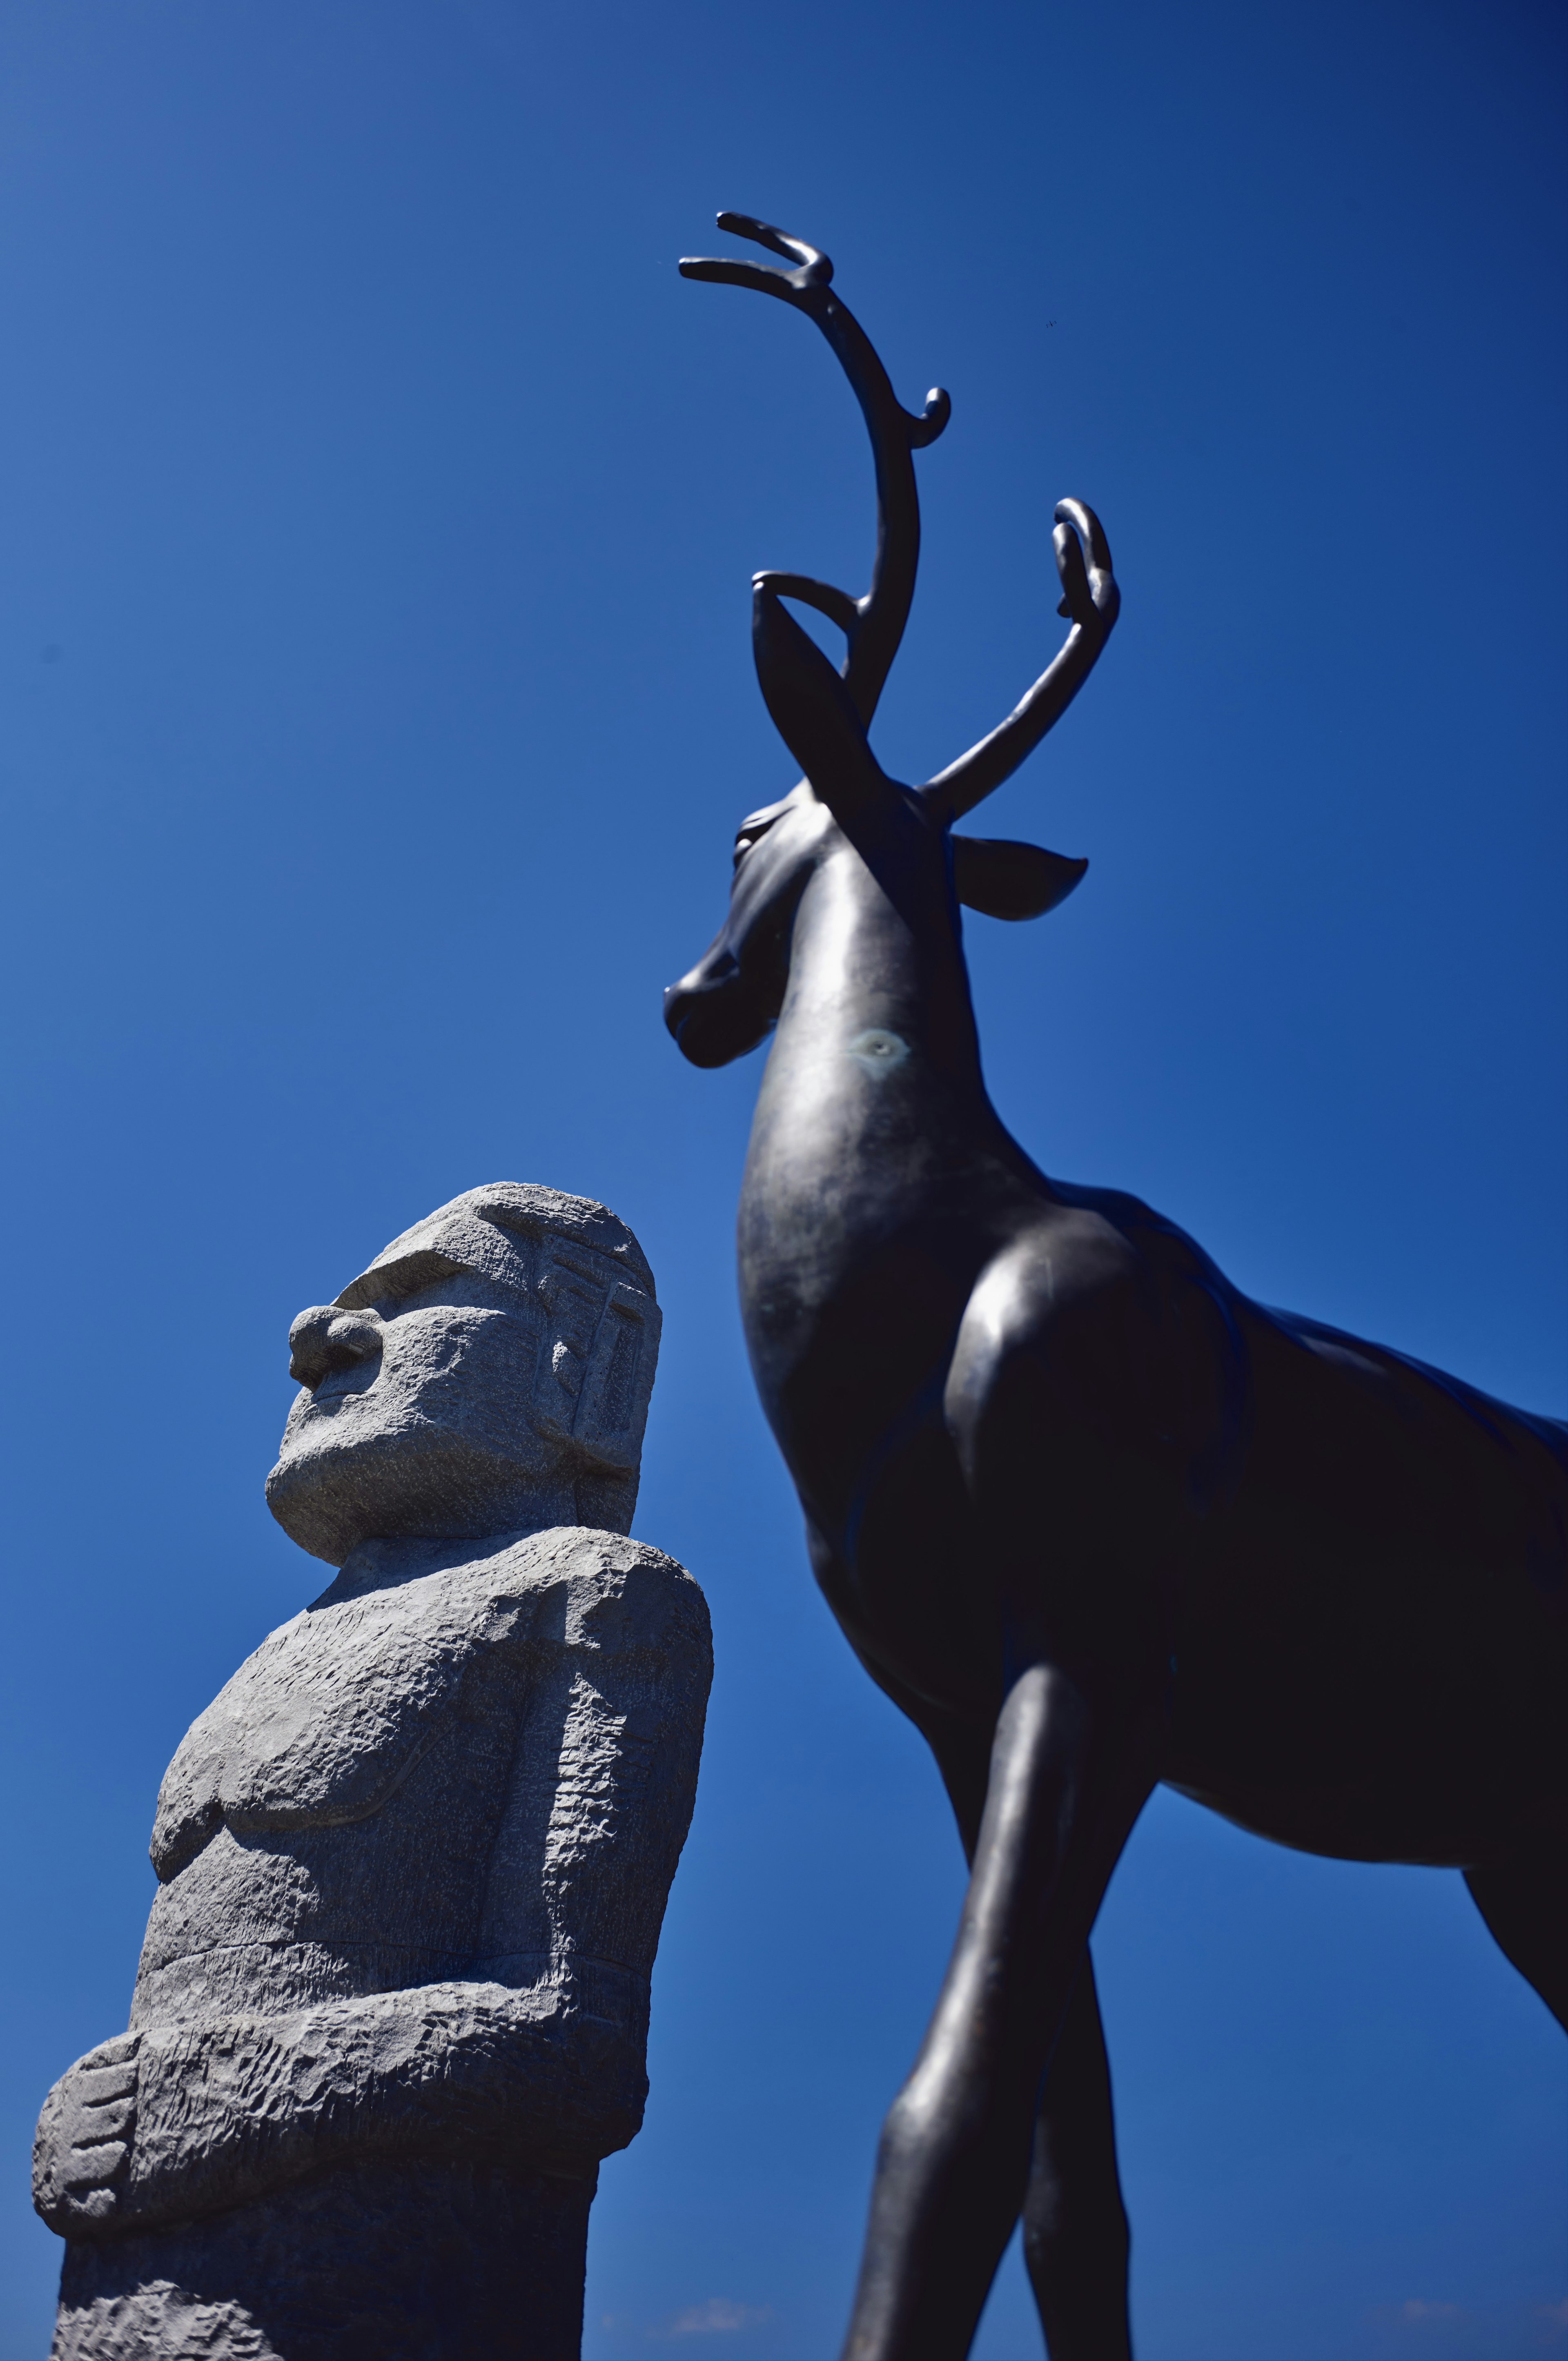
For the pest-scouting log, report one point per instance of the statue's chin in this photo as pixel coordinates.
(330, 1492)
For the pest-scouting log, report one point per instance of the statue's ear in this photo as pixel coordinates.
(1012, 881)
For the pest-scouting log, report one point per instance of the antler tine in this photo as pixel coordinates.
(813, 266)
(873, 625)
(1090, 598)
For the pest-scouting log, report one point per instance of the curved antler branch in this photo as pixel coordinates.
(873, 625)
(836, 604)
(1090, 598)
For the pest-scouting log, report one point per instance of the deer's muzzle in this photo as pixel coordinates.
(714, 1013)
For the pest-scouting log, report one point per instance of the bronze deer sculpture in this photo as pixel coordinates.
(1090, 1516)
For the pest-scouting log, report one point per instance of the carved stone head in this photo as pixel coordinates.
(490, 1371)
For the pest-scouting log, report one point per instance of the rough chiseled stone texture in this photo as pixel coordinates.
(491, 1369)
(414, 2262)
(412, 1861)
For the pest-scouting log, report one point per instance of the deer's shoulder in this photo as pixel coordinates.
(1093, 1246)
(1111, 1310)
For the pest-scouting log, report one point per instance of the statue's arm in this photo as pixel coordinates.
(175, 2121)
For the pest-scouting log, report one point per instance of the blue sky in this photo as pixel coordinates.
(379, 509)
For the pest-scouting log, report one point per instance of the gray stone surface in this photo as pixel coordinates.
(323, 2267)
(413, 1859)
(491, 1370)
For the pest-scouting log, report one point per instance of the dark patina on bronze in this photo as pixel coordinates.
(1091, 1517)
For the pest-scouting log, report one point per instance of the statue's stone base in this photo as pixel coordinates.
(374, 2262)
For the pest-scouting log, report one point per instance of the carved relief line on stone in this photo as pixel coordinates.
(392, 2004)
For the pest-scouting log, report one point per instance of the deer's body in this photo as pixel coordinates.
(1091, 1517)
(1342, 1574)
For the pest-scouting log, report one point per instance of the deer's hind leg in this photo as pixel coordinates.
(1524, 1899)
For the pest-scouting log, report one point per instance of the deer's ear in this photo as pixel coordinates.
(1012, 881)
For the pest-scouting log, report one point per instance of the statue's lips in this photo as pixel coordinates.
(347, 1412)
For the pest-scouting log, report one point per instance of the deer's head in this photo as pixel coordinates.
(726, 1003)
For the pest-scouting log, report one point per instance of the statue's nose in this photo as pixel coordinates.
(323, 1339)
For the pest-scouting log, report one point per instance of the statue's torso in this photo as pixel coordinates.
(457, 1775)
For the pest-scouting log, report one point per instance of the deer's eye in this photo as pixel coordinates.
(750, 835)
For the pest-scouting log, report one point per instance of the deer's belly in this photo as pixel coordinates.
(1440, 1825)
(1372, 1651)
(1402, 1705)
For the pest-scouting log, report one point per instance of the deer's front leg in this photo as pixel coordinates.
(1075, 2226)
(1045, 1408)
(953, 2166)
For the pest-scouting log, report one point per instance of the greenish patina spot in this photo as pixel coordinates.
(877, 1051)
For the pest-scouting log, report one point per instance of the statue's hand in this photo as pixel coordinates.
(82, 2146)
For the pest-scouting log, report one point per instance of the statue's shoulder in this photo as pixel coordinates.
(333, 1710)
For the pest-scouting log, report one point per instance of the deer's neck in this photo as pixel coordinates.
(878, 953)
(872, 1123)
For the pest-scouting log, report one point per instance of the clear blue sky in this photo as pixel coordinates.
(378, 513)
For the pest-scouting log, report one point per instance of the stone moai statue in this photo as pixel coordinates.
(392, 2004)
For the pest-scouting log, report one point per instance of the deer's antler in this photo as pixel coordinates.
(1090, 598)
(873, 625)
